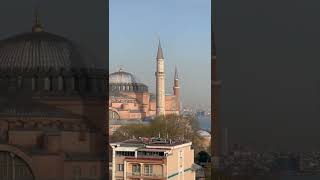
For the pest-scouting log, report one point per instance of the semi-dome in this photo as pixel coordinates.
(39, 50)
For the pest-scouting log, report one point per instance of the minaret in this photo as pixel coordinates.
(176, 90)
(160, 85)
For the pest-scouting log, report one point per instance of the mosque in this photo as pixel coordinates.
(129, 99)
(52, 109)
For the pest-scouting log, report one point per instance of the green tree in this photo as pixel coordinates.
(170, 126)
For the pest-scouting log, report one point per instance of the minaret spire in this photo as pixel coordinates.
(160, 53)
(160, 83)
(176, 76)
(176, 90)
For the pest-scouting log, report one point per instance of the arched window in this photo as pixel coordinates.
(47, 83)
(12, 165)
(20, 81)
(75, 83)
(113, 115)
(34, 83)
(61, 83)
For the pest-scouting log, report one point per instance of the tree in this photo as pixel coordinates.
(173, 127)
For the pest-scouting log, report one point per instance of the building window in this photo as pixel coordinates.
(20, 81)
(93, 171)
(61, 83)
(76, 171)
(34, 83)
(11, 164)
(75, 83)
(136, 169)
(148, 169)
(124, 153)
(120, 167)
(47, 84)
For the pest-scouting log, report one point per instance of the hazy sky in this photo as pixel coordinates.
(185, 31)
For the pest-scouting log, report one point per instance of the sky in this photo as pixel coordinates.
(183, 27)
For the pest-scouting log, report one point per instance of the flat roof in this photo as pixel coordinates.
(150, 142)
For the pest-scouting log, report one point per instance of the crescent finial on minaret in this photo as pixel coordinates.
(120, 68)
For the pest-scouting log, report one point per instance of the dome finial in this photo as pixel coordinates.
(121, 68)
(37, 26)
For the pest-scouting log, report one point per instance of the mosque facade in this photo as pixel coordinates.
(130, 99)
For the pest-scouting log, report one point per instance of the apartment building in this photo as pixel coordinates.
(155, 158)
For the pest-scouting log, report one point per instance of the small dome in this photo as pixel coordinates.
(122, 77)
(203, 133)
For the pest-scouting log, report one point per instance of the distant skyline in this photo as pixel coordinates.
(185, 32)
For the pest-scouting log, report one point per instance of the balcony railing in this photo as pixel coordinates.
(152, 157)
(144, 175)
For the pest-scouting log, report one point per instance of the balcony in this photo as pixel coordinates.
(145, 176)
(146, 159)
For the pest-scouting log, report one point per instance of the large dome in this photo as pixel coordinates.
(122, 77)
(124, 81)
(39, 50)
(46, 64)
